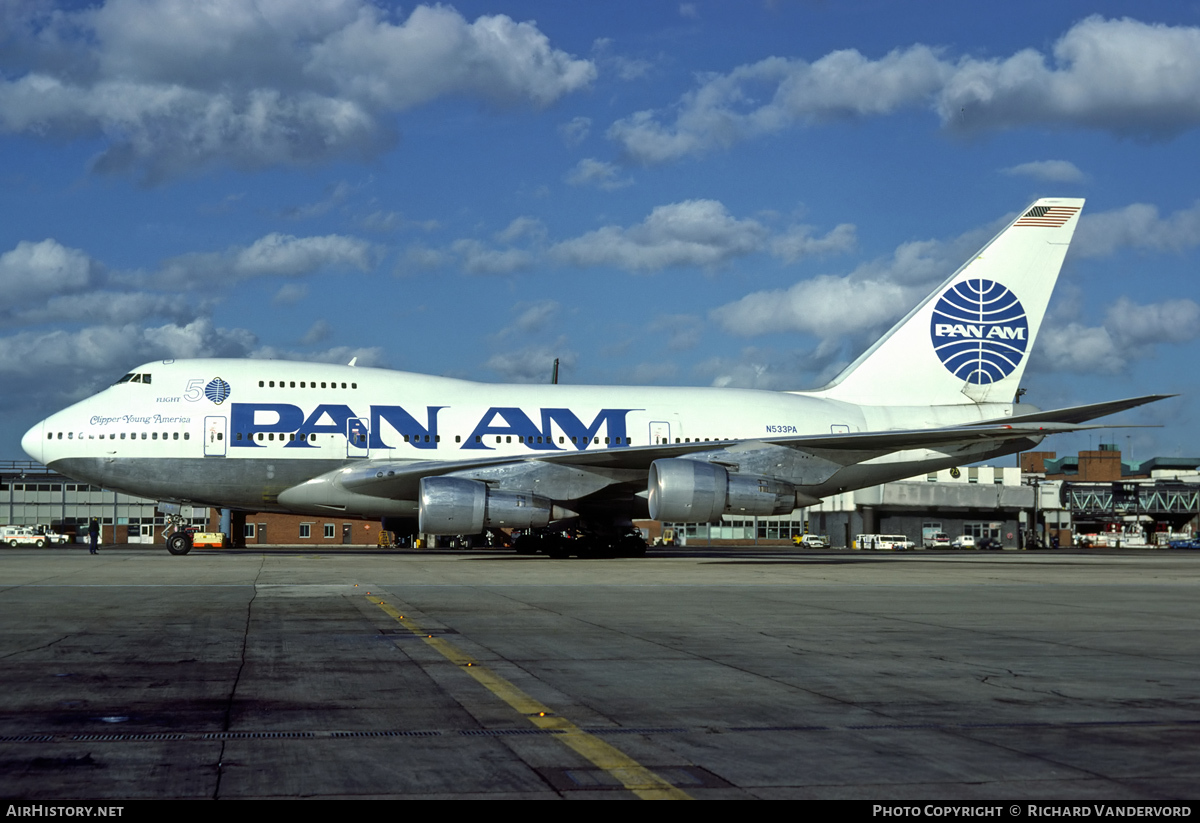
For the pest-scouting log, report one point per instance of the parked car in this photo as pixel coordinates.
(53, 538)
(21, 536)
(811, 541)
(963, 541)
(988, 544)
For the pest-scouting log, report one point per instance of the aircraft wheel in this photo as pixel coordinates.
(179, 543)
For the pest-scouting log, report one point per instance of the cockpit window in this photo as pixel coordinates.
(126, 378)
(134, 378)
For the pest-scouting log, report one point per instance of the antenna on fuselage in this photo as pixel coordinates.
(554, 376)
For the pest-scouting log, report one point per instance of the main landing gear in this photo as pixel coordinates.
(179, 537)
(579, 543)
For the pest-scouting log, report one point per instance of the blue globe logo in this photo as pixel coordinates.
(979, 331)
(217, 390)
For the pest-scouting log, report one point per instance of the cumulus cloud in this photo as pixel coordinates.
(1052, 171)
(81, 354)
(368, 357)
(757, 368)
(476, 258)
(683, 330)
(691, 233)
(863, 302)
(319, 331)
(798, 242)
(171, 86)
(726, 109)
(592, 172)
(290, 294)
(1123, 76)
(576, 130)
(114, 308)
(826, 306)
(275, 254)
(532, 364)
(34, 271)
(534, 317)
(1137, 226)
(1130, 332)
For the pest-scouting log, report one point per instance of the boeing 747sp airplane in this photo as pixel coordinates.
(938, 390)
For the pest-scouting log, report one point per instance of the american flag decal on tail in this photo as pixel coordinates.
(1050, 217)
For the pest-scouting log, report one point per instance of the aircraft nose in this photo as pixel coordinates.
(32, 442)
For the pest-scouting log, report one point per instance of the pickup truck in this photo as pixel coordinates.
(811, 541)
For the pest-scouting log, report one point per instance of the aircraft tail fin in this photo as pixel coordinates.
(970, 340)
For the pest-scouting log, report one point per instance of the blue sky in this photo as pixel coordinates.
(701, 193)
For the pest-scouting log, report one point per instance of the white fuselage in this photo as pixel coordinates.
(237, 432)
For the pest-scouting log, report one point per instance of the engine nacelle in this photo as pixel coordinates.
(690, 491)
(452, 505)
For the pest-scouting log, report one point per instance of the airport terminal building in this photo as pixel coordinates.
(1093, 498)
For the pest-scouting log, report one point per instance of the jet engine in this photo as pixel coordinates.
(452, 505)
(690, 491)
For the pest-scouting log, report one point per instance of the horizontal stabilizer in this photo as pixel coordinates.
(1081, 414)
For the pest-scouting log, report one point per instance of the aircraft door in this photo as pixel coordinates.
(215, 436)
(358, 431)
(660, 432)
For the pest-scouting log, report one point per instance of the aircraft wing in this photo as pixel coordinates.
(573, 475)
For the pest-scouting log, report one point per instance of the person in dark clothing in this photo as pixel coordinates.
(94, 535)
